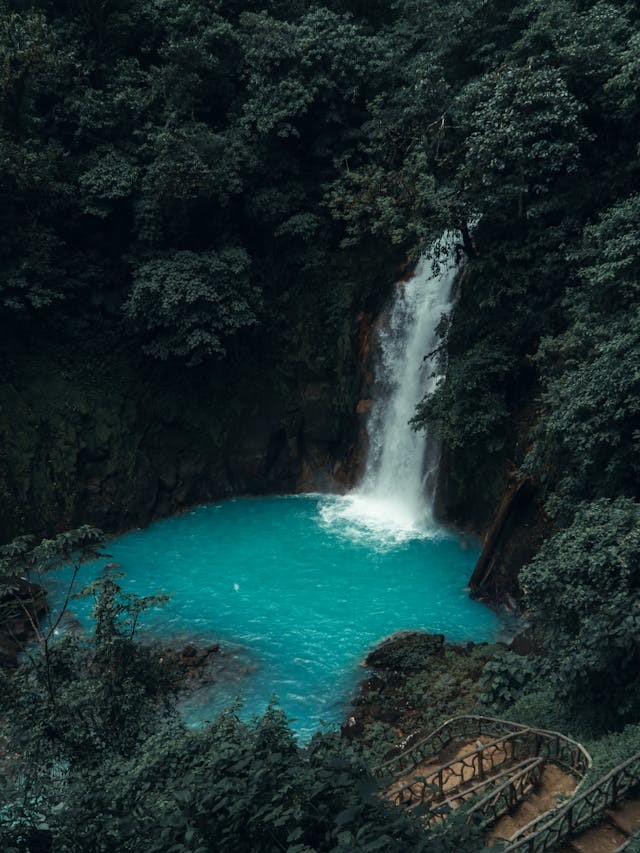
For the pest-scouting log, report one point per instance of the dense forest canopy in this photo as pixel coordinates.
(175, 173)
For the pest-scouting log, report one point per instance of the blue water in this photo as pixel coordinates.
(296, 600)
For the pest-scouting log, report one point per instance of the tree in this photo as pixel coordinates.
(586, 446)
(75, 698)
(583, 592)
(190, 304)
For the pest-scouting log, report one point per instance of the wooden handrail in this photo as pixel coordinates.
(523, 770)
(468, 725)
(623, 846)
(547, 831)
(435, 781)
(516, 783)
(472, 726)
(540, 745)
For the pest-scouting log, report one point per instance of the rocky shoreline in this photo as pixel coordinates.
(417, 680)
(200, 666)
(23, 605)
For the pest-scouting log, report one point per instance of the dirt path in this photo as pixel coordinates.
(618, 825)
(554, 785)
(452, 751)
(458, 776)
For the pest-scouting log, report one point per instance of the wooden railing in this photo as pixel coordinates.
(506, 789)
(501, 771)
(481, 763)
(556, 747)
(418, 746)
(550, 829)
(503, 798)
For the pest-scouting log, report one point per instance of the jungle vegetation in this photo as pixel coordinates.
(173, 173)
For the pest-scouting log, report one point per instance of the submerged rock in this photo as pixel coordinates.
(193, 662)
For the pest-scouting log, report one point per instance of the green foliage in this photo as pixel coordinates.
(418, 685)
(453, 409)
(34, 63)
(66, 674)
(517, 128)
(517, 119)
(24, 559)
(182, 177)
(505, 678)
(239, 786)
(315, 65)
(522, 133)
(448, 685)
(108, 766)
(190, 303)
(538, 707)
(96, 756)
(165, 163)
(583, 590)
(77, 702)
(611, 750)
(587, 444)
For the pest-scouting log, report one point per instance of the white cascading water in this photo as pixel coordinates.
(395, 498)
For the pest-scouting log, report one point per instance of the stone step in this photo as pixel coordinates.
(554, 785)
(618, 826)
(601, 839)
(626, 817)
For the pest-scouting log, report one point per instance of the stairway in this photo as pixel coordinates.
(524, 783)
(513, 777)
(554, 785)
(425, 769)
(609, 836)
(463, 769)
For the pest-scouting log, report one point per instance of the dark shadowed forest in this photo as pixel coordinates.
(198, 200)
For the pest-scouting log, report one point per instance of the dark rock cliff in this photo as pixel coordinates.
(485, 494)
(92, 431)
(111, 443)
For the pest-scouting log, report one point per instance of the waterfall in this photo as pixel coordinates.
(396, 494)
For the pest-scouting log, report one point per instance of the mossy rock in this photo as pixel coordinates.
(406, 652)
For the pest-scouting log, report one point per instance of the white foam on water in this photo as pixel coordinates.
(377, 521)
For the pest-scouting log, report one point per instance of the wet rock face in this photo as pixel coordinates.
(198, 669)
(473, 493)
(119, 456)
(518, 530)
(92, 431)
(22, 604)
(383, 697)
(292, 444)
